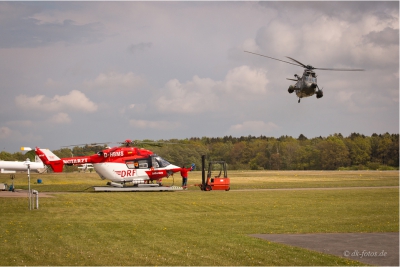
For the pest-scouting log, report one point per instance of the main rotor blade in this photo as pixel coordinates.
(274, 59)
(301, 64)
(304, 66)
(335, 69)
(87, 144)
(339, 69)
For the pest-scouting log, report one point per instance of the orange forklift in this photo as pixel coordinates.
(214, 179)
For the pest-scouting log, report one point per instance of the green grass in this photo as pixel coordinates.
(83, 182)
(312, 179)
(193, 227)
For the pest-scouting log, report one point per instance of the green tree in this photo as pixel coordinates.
(333, 153)
(384, 148)
(288, 151)
(6, 156)
(359, 150)
(307, 158)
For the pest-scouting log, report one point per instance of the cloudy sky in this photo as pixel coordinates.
(82, 72)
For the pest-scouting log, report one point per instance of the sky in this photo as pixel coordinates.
(83, 72)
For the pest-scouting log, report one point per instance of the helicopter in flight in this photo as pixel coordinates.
(305, 85)
(120, 165)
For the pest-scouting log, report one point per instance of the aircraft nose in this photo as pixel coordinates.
(174, 168)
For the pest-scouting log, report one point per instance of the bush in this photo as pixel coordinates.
(373, 165)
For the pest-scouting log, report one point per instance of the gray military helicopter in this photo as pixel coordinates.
(305, 85)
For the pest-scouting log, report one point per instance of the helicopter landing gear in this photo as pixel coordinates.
(299, 100)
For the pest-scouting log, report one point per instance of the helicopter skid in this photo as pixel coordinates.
(140, 187)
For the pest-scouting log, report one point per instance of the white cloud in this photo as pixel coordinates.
(154, 125)
(113, 81)
(192, 97)
(60, 118)
(251, 46)
(205, 94)
(255, 128)
(279, 38)
(75, 100)
(17, 138)
(244, 81)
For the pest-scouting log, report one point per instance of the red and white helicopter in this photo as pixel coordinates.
(121, 165)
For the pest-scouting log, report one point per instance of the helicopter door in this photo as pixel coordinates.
(154, 162)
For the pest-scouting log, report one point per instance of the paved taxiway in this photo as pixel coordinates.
(380, 249)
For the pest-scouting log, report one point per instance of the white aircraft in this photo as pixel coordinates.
(13, 166)
(85, 167)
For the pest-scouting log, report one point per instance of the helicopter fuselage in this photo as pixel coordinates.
(306, 85)
(119, 164)
(136, 171)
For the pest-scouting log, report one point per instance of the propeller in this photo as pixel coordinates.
(309, 67)
(91, 144)
(129, 142)
(273, 58)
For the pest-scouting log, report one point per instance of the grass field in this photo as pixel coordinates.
(79, 182)
(81, 227)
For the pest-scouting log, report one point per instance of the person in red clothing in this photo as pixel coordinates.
(184, 174)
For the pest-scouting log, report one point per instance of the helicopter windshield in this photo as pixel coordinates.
(159, 162)
(311, 79)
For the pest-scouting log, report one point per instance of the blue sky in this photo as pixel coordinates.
(83, 72)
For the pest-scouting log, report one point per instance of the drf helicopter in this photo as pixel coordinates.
(305, 85)
(120, 165)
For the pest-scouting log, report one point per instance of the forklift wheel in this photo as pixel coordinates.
(208, 188)
(228, 189)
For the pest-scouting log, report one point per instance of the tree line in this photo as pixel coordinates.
(357, 152)
(335, 152)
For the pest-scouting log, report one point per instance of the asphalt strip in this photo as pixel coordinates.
(380, 249)
(22, 193)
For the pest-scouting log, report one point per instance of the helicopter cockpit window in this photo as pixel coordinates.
(135, 164)
(160, 162)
